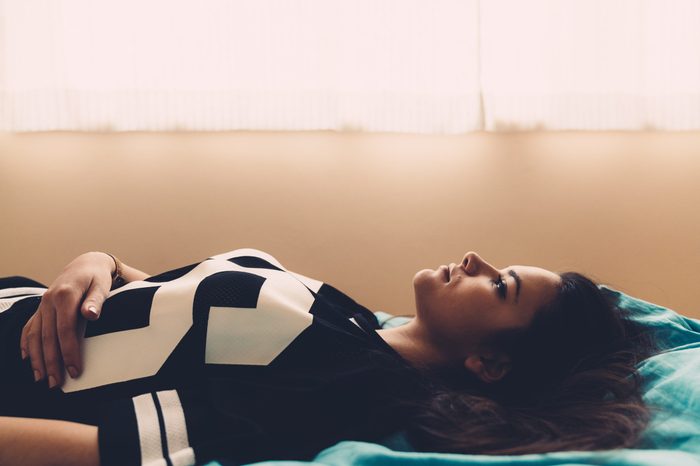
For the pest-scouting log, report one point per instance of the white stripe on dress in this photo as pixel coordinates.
(149, 431)
(179, 450)
(30, 290)
(6, 303)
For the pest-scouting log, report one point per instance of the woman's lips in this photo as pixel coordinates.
(445, 272)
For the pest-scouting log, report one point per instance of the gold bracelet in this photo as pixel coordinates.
(117, 277)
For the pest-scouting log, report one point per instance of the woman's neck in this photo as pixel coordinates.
(412, 342)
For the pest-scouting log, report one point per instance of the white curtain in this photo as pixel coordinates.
(426, 66)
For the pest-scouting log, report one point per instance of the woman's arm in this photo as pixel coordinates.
(130, 274)
(50, 337)
(34, 442)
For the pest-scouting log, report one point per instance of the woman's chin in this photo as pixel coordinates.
(426, 283)
(422, 276)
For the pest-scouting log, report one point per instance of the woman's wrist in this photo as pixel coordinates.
(118, 271)
(103, 259)
(112, 264)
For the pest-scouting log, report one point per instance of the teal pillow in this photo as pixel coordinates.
(671, 330)
(671, 377)
(387, 320)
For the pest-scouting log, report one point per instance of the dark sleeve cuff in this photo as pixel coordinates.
(147, 429)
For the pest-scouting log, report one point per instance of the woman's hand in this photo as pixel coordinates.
(50, 337)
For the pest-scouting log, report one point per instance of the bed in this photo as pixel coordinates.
(671, 388)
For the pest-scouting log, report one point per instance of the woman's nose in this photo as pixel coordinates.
(473, 264)
(470, 263)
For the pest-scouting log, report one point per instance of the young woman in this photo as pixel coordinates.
(236, 357)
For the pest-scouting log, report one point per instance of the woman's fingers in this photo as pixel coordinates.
(95, 296)
(67, 321)
(58, 333)
(67, 332)
(34, 347)
(50, 348)
(23, 341)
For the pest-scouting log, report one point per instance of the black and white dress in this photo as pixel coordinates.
(231, 358)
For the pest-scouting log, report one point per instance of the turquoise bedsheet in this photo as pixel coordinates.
(672, 389)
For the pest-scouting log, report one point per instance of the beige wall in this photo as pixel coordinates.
(362, 211)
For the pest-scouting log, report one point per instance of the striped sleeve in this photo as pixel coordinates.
(175, 428)
(149, 429)
(182, 428)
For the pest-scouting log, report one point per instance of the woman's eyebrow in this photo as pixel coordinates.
(516, 277)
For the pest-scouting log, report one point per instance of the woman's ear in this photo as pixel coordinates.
(488, 369)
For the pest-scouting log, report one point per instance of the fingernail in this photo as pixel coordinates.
(52, 381)
(93, 309)
(24, 354)
(37, 376)
(72, 371)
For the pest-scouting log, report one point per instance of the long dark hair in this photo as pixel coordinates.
(573, 385)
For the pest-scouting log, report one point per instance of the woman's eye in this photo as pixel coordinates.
(501, 287)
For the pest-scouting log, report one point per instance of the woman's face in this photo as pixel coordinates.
(462, 306)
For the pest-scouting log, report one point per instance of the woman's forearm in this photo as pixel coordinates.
(131, 274)
(30, 442)
(128, 273)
